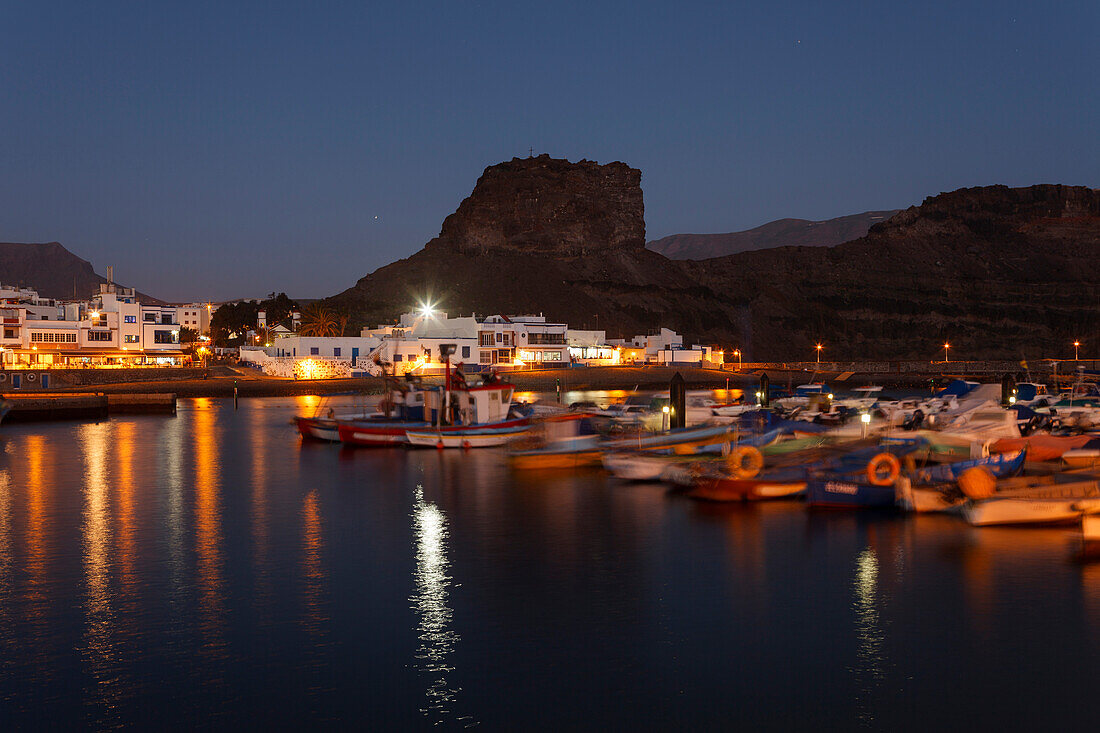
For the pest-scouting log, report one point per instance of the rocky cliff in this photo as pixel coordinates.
(548, 206)
(999, 272)
(779, 233)
(544, 234)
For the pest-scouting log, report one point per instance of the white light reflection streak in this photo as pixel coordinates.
(869, 668)
(437, 638)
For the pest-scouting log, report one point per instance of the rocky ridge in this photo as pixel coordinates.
(1000, 272)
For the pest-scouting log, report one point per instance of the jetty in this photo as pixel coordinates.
(84, 405)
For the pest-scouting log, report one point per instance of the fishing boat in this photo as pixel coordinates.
(934, 488)
(469, 437)
(861, 478)
(452, 408)
(559, 441)
(782, 483)
(649, 458)
(1063, 501)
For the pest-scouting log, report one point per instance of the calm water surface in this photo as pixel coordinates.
(210, 570)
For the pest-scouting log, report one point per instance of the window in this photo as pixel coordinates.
(9, 333)
(486, 357)
(336, 351)
(485, 338)
(166, 319)
(130, 319)
(131, 339)
(149, 317)
(314, 351)
(164, 337)
(49, 337)
(397, 357)
(465, 352)
(43, 318)
(500, 337)
(99, 335)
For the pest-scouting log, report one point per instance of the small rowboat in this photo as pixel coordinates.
(1058, 503)
(469, 438)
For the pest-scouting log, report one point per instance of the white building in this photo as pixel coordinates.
(113, 329)
(195, 316)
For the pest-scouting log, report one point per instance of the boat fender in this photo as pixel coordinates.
(977, 482)
(439, 445)
(883, 469)
(726, 447)
(745, 461)
(465, 445)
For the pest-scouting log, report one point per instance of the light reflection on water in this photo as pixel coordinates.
(437, 638)
(869, 632)
(213, 569)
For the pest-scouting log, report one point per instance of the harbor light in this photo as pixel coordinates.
(737, 353)
(819, 347)
(946, 346)
(1076, 346)
(865, 417)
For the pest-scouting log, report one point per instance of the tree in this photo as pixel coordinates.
(317, 320)
(188, 335)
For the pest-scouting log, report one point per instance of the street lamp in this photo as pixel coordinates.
(1076, 345)
(737, 353)
(819, 347)
(946, 346)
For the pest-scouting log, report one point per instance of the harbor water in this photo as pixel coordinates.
(211, 570)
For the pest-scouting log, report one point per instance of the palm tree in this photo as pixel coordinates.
(318, 320)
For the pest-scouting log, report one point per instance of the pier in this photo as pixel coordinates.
(85, 406)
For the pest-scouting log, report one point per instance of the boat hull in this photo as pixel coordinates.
(547, 460)
(314, 428)
(841, 493)
(728, 489)
(464, 439)
(386, 434)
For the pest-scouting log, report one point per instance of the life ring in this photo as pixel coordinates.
(883, 469)
(3, 377)
(31, 376)
(745, 461)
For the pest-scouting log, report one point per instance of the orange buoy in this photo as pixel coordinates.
(745, 461)
(977, 482)
(883, 469)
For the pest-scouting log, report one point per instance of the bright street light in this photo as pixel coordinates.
(819, 347)
(1076, 345)
(946, 346)
(737, 353)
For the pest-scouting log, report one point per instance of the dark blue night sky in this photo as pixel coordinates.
(217, 150)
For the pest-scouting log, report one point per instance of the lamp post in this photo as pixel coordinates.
(1076, 346)
(737, 353)
(819, 347)
(946, 346)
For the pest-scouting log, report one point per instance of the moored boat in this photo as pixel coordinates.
(471, 437)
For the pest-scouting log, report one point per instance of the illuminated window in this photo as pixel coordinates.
(130, 319)
(131, 339)
(99, 335)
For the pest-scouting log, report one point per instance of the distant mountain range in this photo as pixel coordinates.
(779, 233)
(52, 270)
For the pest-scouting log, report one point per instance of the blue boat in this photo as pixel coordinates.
(1000, 464)
(847, 481)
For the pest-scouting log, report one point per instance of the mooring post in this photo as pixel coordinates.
(677, 400)
(234, 394)
(558, 388)
(765, 385)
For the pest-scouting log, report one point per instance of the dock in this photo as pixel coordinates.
(85, 405)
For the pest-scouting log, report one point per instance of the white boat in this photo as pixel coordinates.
(1048, 504)
(465, 438)
(638, 466)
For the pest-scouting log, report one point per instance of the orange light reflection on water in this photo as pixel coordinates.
(208, 538)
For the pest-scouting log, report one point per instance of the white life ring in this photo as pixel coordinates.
(31, 376)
